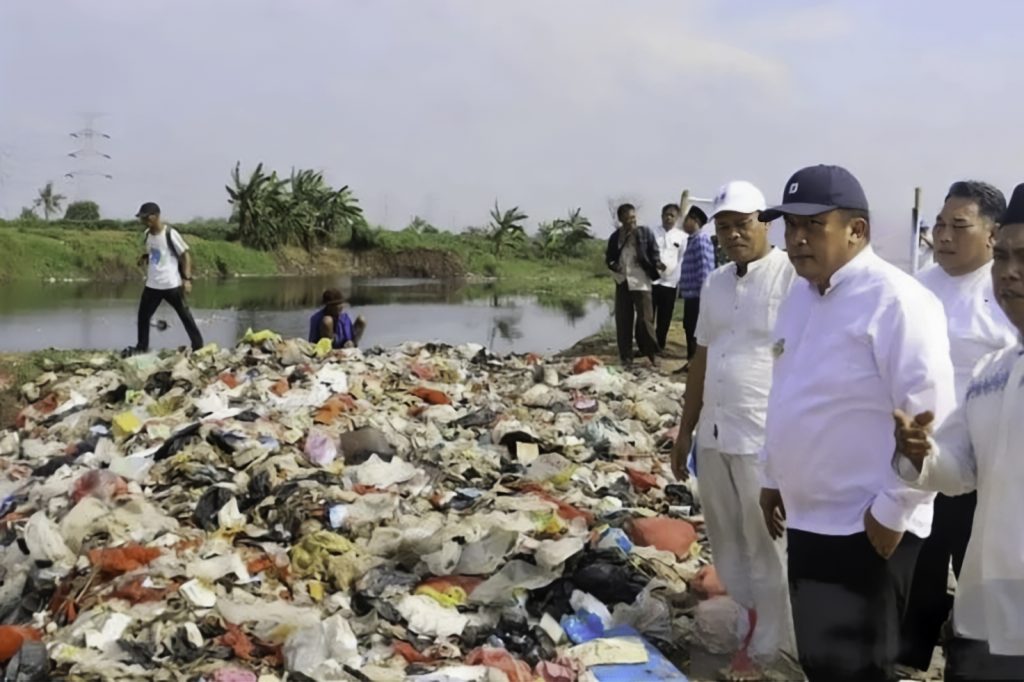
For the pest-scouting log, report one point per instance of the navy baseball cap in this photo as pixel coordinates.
(148, 208)
(818, 189)
(1015, 209)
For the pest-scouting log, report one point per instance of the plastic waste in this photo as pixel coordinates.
(320, 449)
(667, 534)
(500, 659)
(426, 617)
(721, 625)
(359, 445)
(707, 584)
(99, 483)
(30, 664)
(648, 615)
(13, 637)
(318, 650)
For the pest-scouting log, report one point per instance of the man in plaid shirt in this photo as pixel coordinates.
(698, 263)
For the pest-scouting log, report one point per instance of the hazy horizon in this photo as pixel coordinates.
(439, 108)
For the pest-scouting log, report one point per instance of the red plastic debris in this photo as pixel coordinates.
(99, 483)
(330, 410)
(585, 364)
(664, 533)
(134, 592)
(238, 642)
(641, 480)
(431, 396)
(707, 583)
(118, 560)
(228, 379)
(410, 653)
(500, 659)
(425, 372)
(12, 637)
(565, 510)
(280, 388)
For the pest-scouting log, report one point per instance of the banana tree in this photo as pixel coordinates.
(257, 208)
(506, 227)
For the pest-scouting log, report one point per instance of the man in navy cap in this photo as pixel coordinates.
(168, 278)
(978, 448)
(855, 341)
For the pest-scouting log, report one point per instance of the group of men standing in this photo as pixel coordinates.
(653, 268)
(816, 380)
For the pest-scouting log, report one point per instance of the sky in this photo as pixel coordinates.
(439, 108)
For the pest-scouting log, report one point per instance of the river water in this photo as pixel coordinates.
(102, 316)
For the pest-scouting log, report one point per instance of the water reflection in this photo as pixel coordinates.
(102, 315)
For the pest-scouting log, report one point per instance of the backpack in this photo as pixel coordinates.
(170, 245)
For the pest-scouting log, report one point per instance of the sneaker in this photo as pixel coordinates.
(131, 351)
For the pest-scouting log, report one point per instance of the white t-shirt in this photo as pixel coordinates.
(977, 325)
(844, 361)
(163, 265)
(671, 244)
(737, 326)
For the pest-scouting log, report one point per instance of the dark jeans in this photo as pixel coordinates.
(691, 310)
(969, 659)
(634, 314)
(151, 299)
(930, 602)
(664, 301)
(847, 604)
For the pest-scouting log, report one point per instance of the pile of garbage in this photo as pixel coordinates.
(283, 511)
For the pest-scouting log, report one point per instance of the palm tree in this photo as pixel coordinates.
(506, 228)
(48, 201)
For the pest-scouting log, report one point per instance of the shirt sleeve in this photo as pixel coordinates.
(703, 333)
(179, 243)
(951, 468)
(707, 257)
(911, 348)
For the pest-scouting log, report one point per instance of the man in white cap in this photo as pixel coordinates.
(726, 401)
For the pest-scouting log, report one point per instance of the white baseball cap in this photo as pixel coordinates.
(739, 196)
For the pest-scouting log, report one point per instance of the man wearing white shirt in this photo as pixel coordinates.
(726, 400)
(671, 240)
(856, 339)
(964, 235)
(979, 448)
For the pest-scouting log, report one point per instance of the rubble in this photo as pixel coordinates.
(279, 510)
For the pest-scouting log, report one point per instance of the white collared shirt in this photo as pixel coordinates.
(736, 325)
(672, 245)
(875, 341)
(977, 325)
(979, 448)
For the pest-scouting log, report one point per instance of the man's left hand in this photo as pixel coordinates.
(884, 540)
(187, 286)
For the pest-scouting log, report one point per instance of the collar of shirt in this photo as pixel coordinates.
(854, 267)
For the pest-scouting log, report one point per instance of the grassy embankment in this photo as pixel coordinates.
(108, 251)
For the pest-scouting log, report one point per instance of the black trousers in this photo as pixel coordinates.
(930, 602)
(969, 659)
(691, 309)
(151, 300)
(847, 604)
(664, 300)
(634, 315)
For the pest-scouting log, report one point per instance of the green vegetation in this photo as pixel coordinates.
(45, 252)
(300, 224)
(49, 201)
(82, 210)
(301, 210)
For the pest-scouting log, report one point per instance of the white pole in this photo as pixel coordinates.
(915, 243)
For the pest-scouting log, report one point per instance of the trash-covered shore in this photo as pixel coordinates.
(280, 511)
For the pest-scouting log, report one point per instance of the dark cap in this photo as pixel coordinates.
(698, 214)
(818, 189)
(148, 208)
(1015, 209)
(332, 297)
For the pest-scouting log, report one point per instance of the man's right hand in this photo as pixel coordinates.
(774, 512)
(912, 436)
(680, 455)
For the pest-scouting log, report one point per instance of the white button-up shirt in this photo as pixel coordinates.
(875, 341)
(736, 325)
(977, 325)
(671, 244)
(979, 448)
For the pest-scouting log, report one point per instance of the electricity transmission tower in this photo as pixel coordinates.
(90, 160)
